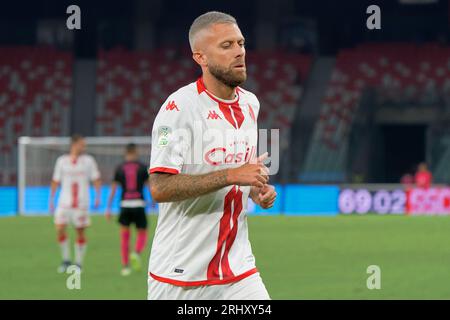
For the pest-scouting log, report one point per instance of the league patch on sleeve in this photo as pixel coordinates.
(164, 134)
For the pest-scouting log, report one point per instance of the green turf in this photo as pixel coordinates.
(298, 257)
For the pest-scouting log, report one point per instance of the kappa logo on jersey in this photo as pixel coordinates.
(172, 106)
(213, 115)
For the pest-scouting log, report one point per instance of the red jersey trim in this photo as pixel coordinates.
(164, 170)
(204, 282)
(201, 88)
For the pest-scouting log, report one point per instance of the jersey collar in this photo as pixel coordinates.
(201, 88)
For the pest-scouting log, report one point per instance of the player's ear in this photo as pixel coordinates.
(200, 58)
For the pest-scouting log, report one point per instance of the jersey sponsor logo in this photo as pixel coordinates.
(172, 106)
(213, 115)
(164, 134)
(178, 270)
(218, 156)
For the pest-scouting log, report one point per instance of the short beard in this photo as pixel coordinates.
(226, 76)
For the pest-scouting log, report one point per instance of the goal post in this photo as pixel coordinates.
(36, 161)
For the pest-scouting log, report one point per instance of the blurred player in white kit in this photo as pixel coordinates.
(73, 172)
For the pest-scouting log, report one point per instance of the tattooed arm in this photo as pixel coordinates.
(166, 187)
(169, 188)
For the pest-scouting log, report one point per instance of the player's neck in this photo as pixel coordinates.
(217, 88)
(73, 155)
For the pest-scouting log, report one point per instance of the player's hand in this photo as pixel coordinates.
(108, 215)
(267, 196)
(97, 203)
(254, 173)
(51, 207)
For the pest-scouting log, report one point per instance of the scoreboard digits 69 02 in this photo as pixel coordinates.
(362, 201)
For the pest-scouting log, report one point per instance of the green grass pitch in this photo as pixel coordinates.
(298, 257)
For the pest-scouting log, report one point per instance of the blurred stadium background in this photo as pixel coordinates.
(357, 110)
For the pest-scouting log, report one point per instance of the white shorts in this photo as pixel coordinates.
(250, 288)
(78, 218)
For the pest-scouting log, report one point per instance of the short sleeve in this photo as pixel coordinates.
(94, 174)
(255, 106)
(170, 137)
(57, 172)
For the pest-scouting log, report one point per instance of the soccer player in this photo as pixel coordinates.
(74, 172)
(201, 248)
(131, 175)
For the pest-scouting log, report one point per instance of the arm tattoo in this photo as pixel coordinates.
(177, 187)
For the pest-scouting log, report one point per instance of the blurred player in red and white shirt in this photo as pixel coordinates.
(423, 177)
(74, 172)
(201, 248)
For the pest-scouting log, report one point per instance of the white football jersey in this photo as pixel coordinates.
(203, 240)
(75, 176)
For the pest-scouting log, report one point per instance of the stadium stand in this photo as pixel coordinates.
(35, 99)
(129, 82)
(399, 72)
(36, 93)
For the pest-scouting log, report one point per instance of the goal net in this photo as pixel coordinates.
(37, 157)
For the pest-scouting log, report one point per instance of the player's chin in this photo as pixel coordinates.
(239, 74)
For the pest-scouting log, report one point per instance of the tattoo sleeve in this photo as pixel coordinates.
(177, 187)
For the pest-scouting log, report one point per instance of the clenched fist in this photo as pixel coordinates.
(250, 174)
(267, 196)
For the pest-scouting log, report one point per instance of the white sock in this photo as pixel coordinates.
(80, 251)
(65, 249)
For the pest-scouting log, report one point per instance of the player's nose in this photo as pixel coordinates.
(240, 52)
